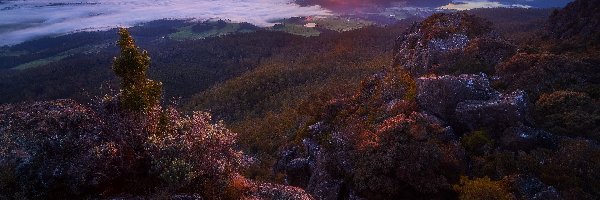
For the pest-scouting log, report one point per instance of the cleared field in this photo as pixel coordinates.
(215, 29)
(296, 29)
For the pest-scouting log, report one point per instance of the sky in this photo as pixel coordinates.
(22, 20)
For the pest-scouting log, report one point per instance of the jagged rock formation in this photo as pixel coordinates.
(471, 114)
(525, 138)
(441, 94)
(468, 102)
(504, 110)
(451, 44)
(528, 187)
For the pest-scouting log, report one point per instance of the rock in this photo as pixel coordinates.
(524, 138)
(528, 187)
(451, 43)
(285, 156)
(503, 111)
(261, 191)
(324, 187)
(440, 95)
(186, 197)
(298, 172)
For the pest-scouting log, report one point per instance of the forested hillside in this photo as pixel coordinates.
(499, 103)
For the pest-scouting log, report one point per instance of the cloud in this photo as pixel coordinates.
(26, 19)
(471, 4)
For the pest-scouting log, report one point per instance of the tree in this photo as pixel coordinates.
(138, 93)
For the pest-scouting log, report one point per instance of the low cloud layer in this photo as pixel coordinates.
(471, 4)
(22, 20)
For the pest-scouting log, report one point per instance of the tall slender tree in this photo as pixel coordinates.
(138, 93)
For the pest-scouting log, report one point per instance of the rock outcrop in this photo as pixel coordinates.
(524, 138)
(457, 101)
(504, 110)
(450, 44)
(441, 94)
(528, 187)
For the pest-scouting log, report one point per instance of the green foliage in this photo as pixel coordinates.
(569, 113)
(574, 167)
(483, 188)
(470, 65)
(477, 142)
(138, 93)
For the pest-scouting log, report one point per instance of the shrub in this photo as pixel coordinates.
(190, 153)
(64, 150)
(483, 188)
(573, 168)
(569, 113)
(412, 155)
(477, 142)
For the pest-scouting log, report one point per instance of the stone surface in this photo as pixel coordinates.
(529, 187)
(440, 95)
(505, 110)
(525, 138)
(451, 43)
(298, 172)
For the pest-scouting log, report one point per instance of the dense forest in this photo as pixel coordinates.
(499, 103)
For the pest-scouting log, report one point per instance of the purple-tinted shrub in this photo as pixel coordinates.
(185, 150)
(62, 149)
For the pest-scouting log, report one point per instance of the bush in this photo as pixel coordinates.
(478, 142)
(569, 113)
(413, 157)
(189, 153)
(63, 150)
(573, 168)
(483, 188)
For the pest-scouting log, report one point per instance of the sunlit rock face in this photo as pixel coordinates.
(451, 44)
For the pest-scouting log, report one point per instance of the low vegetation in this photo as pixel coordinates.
(338, 115)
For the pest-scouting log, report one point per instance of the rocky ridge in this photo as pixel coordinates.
(371, 145)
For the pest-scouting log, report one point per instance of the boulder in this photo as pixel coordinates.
(440, 95)
(529, 187)
(275, 191)
(505, 110)
(298, 172)
(524, 138)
